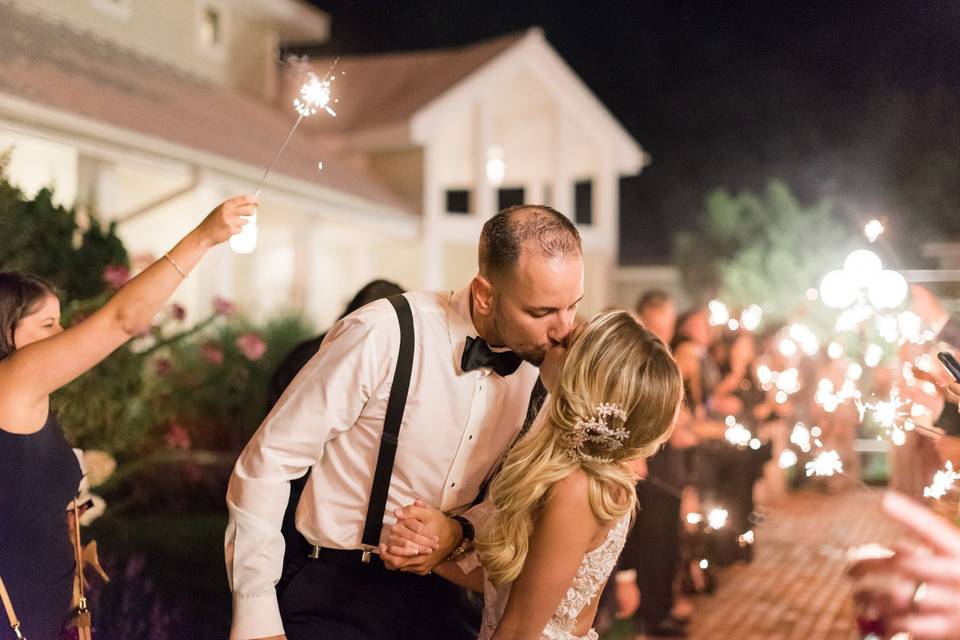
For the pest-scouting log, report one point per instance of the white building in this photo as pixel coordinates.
(154, 112)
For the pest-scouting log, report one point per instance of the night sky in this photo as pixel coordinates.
(859, 101)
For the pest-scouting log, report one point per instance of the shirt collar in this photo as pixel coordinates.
(460, 324)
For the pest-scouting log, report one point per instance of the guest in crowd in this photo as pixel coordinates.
(657, 525)
(39, 473)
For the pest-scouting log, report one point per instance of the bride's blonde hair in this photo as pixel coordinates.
(612, 360)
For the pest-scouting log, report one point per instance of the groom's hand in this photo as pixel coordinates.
(404, 549)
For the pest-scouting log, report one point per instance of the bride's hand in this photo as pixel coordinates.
(411, 536)
(420, 520)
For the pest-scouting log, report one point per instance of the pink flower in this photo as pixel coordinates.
(251, 346)
(224, 307)
(143, 260)
(177, 312)
(162, 366)
(178, 437)
(116, 275)
(212, 353)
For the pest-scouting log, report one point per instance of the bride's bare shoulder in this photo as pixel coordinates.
(572, 493)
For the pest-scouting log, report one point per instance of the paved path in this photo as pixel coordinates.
(795, 588)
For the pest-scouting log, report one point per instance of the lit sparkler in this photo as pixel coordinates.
(717, 518)
(800, 436)
(736, 434)
(827, 463)
(889, 414)
(719, 314)
(943, 482)
(315, 95)
(787, 459)
(873, 229)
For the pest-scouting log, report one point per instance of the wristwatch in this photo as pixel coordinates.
(468, 534)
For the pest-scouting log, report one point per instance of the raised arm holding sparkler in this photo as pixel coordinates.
(314, 96)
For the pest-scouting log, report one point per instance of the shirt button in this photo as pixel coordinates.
(470, 437)
(453, 484)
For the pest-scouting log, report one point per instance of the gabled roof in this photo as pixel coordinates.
(387, 89)
(55, 65)
(404, 92)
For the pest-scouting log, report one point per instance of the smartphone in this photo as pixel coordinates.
(950, 364)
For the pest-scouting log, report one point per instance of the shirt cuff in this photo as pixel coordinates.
(468, 562)
(256, 616)
(625, 576)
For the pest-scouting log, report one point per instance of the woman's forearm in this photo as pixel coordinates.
(137, 302)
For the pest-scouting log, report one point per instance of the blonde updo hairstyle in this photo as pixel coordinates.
(612, 359)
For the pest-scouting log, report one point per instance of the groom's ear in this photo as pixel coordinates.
(482, 292)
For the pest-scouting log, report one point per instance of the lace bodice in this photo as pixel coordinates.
(595, 568)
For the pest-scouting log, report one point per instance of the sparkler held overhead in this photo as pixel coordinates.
(315, 95)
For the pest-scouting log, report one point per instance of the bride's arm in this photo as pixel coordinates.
(561, 536)
(451, 572)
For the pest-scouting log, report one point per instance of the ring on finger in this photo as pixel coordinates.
(919, 594)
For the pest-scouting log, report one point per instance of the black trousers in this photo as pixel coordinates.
(653, 549)
(338, 597)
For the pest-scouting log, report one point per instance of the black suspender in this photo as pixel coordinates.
(391, 428)
(537, 395)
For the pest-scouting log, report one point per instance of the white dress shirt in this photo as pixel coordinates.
(455, 428)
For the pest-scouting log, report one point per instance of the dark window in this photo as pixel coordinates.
(458, 201)
(210, 29)
(509, 196)
(583, 198)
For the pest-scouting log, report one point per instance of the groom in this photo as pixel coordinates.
(473, 369)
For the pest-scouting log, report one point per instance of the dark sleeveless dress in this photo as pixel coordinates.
(39, 476)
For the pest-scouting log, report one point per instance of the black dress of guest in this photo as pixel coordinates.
(39, 476)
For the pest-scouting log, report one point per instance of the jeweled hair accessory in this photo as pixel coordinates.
(598, 431)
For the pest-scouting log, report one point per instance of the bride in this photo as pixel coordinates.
(558, 512)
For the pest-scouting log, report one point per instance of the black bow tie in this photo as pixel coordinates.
(477, 354)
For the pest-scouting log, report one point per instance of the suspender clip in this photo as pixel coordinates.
(367, 554)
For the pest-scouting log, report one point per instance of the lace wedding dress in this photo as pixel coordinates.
(595, 568)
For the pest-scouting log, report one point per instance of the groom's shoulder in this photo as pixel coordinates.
(380, 317)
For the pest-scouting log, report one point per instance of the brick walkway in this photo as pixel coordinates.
(795, 588)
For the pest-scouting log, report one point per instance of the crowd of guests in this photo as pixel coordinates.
(727, 382)
(696, 496)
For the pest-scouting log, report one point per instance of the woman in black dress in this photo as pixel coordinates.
(39, 473)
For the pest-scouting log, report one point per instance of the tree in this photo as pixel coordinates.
(766, 249)
(42, 238)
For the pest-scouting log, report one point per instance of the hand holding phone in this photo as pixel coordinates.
(950, 364)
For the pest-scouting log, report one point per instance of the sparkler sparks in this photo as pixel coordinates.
(787, 459)
(827, 463)
(315, 95)
(736, 433)
(943, 482)
(873, 229)
(717, 518)
(800, 436)
(889, 414)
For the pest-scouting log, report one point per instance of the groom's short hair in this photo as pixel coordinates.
(525, 226)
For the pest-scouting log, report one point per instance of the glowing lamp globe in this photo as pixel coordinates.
(887, 290)
(862, 266)
(837, 290)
